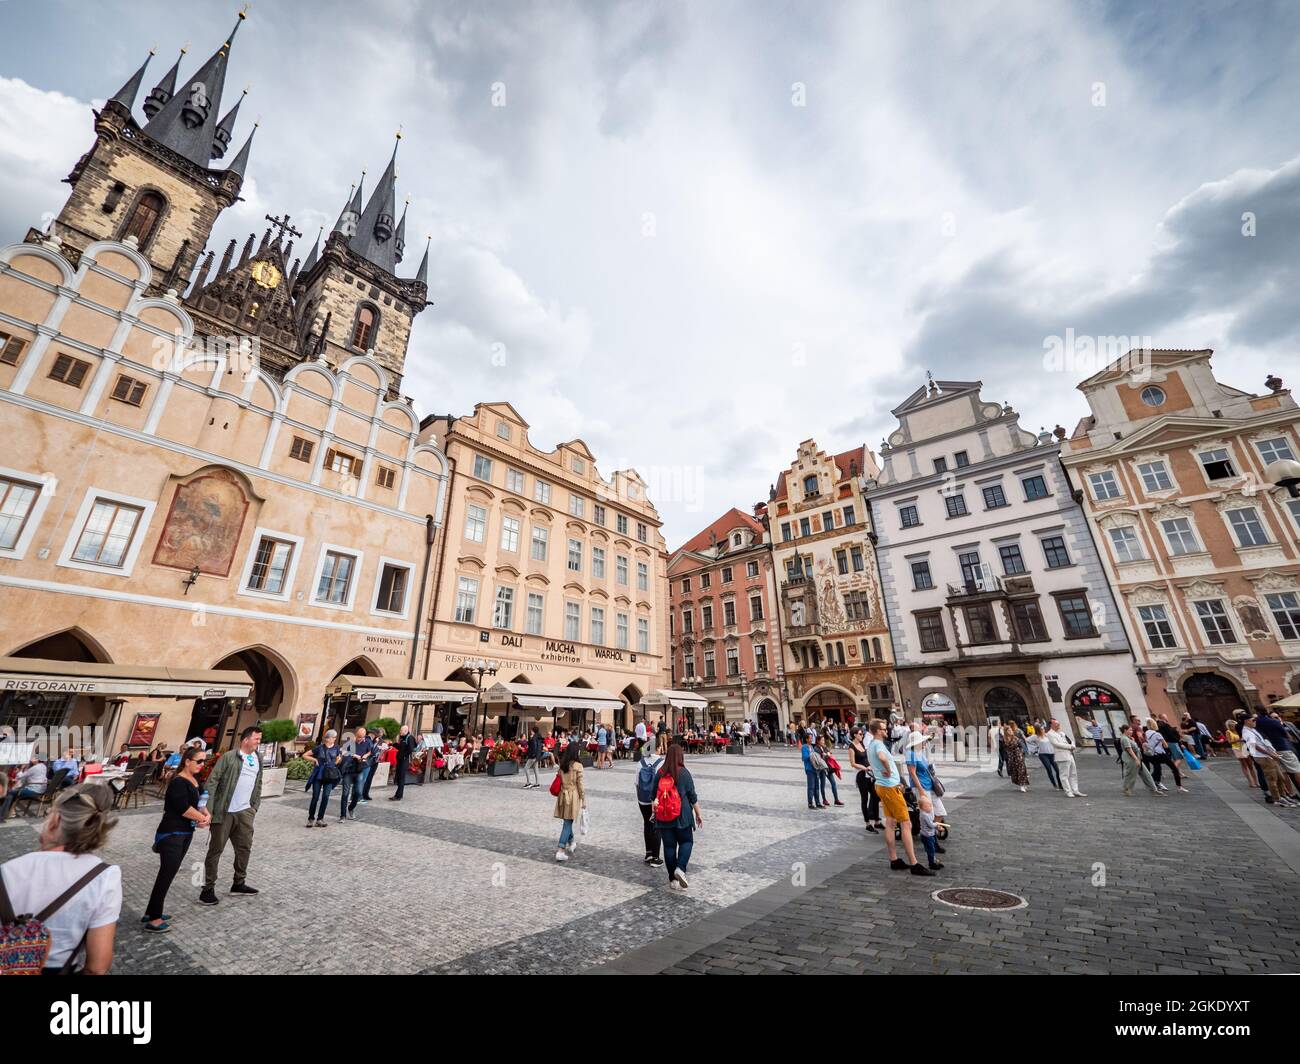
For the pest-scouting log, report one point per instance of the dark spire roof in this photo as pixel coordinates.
(314, 254)
(127, 93)
(400, 239)
(226, 128)
(373, 239)
(239, 164)
(422, 274)
(164, 90)
(351, 212)
(187, 123)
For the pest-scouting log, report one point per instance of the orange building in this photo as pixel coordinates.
(1200, 549)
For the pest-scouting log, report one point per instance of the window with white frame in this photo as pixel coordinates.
(642, 533)
(17, 500)
(541, 538)
(1214, 622)
(710, 667)
(1246, 527)
(643, 635)
(503, 610)
(1277, 450)
(689, 662)
(596, 625)
(598, 563)
(1293, 507)
(620, 569)
(1180, 535)
(642, 576)
(598, 513)
(1127, 546)
(579, 466)
(620, 524)
(760, 657)
(336, 575)
(733, 661)
(466, 599)
(1155, 623)
(482, 467)
(575, 555)
(620, 631)
(1104, 485)
(542, 492)
(390, 596)
(270, 569)
(475, 523)
(536, 613)
(572, 621)
(503, 430)
(510, 529)
(1217, 464)
(515, 481)
(577, 506)
(1155, 476)
(751, 569)
(1285, 608)
(106, 536)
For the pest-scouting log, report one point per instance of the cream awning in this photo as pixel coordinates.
(390, 689)
(678, 699)
(535, 696)
(1290, 702)
(43, 676)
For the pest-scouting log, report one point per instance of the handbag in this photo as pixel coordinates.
(329, 771)
(556, 785)
(936, 786)
(584, 822)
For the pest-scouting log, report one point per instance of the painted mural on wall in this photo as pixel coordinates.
(203, 524)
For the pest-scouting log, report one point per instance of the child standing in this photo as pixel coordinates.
(929, 831)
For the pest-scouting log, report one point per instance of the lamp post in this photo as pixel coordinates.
(478, 669)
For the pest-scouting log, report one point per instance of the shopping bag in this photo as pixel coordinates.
(584, 822)
(1191, 760)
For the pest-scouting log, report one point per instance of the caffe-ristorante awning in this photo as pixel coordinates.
(536, 696)
(389, 689)
(677, 699)
(47, 677)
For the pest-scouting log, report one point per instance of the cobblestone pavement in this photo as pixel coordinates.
(461, 877)
(1199, 883)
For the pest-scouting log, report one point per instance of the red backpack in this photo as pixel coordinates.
(668, 803)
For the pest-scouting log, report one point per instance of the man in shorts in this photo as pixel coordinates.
(889, 787)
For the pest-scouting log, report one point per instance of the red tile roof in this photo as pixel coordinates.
(720, 528)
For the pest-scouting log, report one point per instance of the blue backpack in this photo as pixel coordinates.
(645, 781)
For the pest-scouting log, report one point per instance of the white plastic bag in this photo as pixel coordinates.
(584, 822)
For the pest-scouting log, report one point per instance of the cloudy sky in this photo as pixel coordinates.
(695, 234)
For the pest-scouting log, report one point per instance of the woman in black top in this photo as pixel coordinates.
(175, 832)
(866, 781)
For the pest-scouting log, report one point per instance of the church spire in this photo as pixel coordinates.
(373, 239)
(239, 164)
(350, 215)
(187, 122)
(226, 128)
(161, 93)
(422, 274)
(314, 254)
(125, 96)
(399, 241)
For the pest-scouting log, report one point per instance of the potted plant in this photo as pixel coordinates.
(504, 760)
(275, 732)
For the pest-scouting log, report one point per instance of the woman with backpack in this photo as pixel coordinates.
(75, 895)
(570, 798)
(677, 814)
(646, 774)
(327, 757)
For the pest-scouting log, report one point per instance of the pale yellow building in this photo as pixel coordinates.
(550, 571)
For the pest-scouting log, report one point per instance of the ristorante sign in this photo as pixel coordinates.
(114, 688)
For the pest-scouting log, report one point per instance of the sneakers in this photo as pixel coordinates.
(364, 801)
(321, 824)
(158, 929)
(934, 866)
(572, 844)
(242, 890)
(680, 876)
(919, 869)
(166, 918)
(208, 896)
(898, 864)
(311, 823)
(838, 802)
(871, 828)
(561, 856)
(656, 862)
(1080, 794)
(351, 815)
(1184, 790)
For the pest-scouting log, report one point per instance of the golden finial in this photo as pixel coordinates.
(243, 12)
(399, 132)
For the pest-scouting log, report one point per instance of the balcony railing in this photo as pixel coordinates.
(980, 585)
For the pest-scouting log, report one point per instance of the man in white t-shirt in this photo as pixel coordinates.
(235, 791)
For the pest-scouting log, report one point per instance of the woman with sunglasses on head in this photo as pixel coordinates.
(181, 814)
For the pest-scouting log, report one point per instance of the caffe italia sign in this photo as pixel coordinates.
(555, 651)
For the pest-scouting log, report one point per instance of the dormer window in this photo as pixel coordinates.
(810, 486)
(384, 227)
(1153, 396)
(364, 329)
(735, 540)
(197, 106)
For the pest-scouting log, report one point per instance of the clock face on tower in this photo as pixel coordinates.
(265, 274)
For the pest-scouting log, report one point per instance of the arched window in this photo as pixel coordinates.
(875, 650)
(866, 651)
(364, 329)
(144, 218)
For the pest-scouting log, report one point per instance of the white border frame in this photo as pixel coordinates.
(411, 592)
(325, 549)
(93, 495)
(290, 577)
(47, 484)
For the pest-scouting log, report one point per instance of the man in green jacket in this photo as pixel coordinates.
(234, 793)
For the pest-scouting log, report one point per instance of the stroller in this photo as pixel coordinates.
(914, 814)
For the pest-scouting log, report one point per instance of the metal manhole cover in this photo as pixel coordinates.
(979, 898)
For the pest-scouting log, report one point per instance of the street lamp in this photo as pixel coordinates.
(478, 669)
(1284, 473)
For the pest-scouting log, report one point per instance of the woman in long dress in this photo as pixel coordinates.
(1015, 758)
